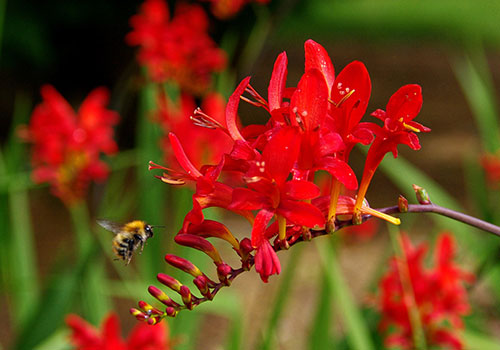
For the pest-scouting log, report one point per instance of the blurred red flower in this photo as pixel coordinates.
(439, 294)
(224, 9)
(176, 48)
(491, 166)
(67, 145)
(202, 146)
(84, 336)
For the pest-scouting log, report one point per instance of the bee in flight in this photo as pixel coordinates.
(128, 237)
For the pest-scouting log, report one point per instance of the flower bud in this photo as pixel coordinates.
(201, 282)
(246, 246)
(183, 264)
(161, 296)
(223, 270)
(402, 204)
(169, 281)
(199, 243)
(422, 195)
(186, 297)
(170, 311)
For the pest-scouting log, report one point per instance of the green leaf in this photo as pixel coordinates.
(357, 333)
(320, 337)
(54, 304)
(481, 98)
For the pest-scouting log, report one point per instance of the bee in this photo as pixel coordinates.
(128, 237)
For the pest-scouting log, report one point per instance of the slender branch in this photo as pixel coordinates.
(433, 208)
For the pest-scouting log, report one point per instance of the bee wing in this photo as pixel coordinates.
(110, 225)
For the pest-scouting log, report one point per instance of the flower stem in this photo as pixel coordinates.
(433, 208)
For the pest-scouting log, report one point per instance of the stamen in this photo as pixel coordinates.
(349, 93)
(411, 128)
(256, 95)
(378, 214)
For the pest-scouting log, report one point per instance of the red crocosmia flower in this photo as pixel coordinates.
(84, 336)
(202, 146)
(177, 48)
(67, 145)
(399, 128)
(439, 294)
(491, 166)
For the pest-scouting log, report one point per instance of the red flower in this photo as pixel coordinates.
(399, 128)
(439, 294)
(176, 48)
(143, 337)
(66, 146)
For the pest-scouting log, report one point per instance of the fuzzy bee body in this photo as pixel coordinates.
(128, 237)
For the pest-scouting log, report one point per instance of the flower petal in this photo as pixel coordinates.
(317, 57)
(354, 77)
(278, 81)
(281, 152)
(245, 199)
(405, 103)
(301, 189)
(301, 213)
(232, 110)
(340, 170)
(309, 102)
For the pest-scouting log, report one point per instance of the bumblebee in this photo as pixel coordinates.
(128, 237)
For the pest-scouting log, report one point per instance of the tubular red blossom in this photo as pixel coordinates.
(439, 293)
(399, 128)
(67, 145)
